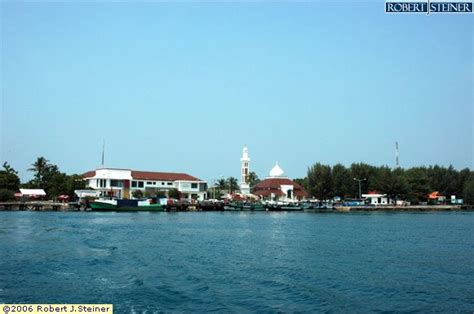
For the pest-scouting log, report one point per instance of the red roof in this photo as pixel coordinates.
(162, 176)
(300, 193)
(273, 185)
(88, 174)
(156, 176)
(268, 192)
(434, 195)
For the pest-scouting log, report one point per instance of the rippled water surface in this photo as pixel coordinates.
(237, 262)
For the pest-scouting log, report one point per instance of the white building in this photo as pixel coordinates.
(122, 183)
(278, 187)
(244, 171)
(377, 199)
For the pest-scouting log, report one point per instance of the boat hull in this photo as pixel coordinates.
(99, 206)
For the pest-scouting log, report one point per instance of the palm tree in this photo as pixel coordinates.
(221, 184)
(232, 184)
(40, 167)
(252, 179)
(8, 169)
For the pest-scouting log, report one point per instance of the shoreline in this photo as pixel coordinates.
(413, 208)
(64, 207)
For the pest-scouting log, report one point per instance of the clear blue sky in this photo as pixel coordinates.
(182, 87)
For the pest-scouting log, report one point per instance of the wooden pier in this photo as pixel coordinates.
(34, 206)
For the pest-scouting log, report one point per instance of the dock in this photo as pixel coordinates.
(403, 208)
(35, 206)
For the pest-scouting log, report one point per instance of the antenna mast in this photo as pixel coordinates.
(103, 153)
(397, 161)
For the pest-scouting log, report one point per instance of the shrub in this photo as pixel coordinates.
(137, 194)
(6, 195)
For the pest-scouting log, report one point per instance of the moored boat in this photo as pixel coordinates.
(125, 205)
(244, 206)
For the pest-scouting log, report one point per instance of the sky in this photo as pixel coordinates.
(181, 87)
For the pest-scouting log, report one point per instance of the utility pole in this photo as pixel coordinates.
(360, 180)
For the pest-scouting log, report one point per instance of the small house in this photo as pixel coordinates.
(375, 198)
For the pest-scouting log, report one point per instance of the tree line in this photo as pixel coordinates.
(46, 176)
(322, 181)
(230, 185)
(412, 184)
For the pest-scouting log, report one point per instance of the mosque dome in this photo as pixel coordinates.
(276, 171)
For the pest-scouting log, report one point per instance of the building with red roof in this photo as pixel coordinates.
(278, 187)
(122, 183)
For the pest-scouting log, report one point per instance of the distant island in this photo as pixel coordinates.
(424, 185)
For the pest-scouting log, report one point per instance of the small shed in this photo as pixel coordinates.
(32, 193)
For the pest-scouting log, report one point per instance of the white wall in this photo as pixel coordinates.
(285, 189)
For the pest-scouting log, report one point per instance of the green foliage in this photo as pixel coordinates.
(137, 194)
(221, 184)
(390, 182)
(303, 182)
(341, 180)
(6, 195)
(174, 193)
(48, 177)
(468, 192)
(74, 182)
(320, 181)
(412, 184)
(9, 179)
(361, 171)
(40, 167)
(160, 194)
(419, 182)
(232, 184)
(217, 194)
(253, 178)
(154, 192)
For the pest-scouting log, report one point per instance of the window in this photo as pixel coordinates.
(116, 183)
(194, 185)
(149, 183)
(102, 183)
(170, 183)
(162, 183)
(134, 184)
(140, 184)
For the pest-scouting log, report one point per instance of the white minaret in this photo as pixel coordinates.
(244, 171)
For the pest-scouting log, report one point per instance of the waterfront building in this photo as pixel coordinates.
(244, 171)
(122, 183)
(436, 198)
(377, 199)
(278, 187)
(31, 193)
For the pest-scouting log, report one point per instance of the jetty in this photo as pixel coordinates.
(35, 206)
(403, 208)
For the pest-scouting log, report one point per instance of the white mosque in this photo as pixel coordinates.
(276, 187)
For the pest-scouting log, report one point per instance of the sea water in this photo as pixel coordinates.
(240, 262)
